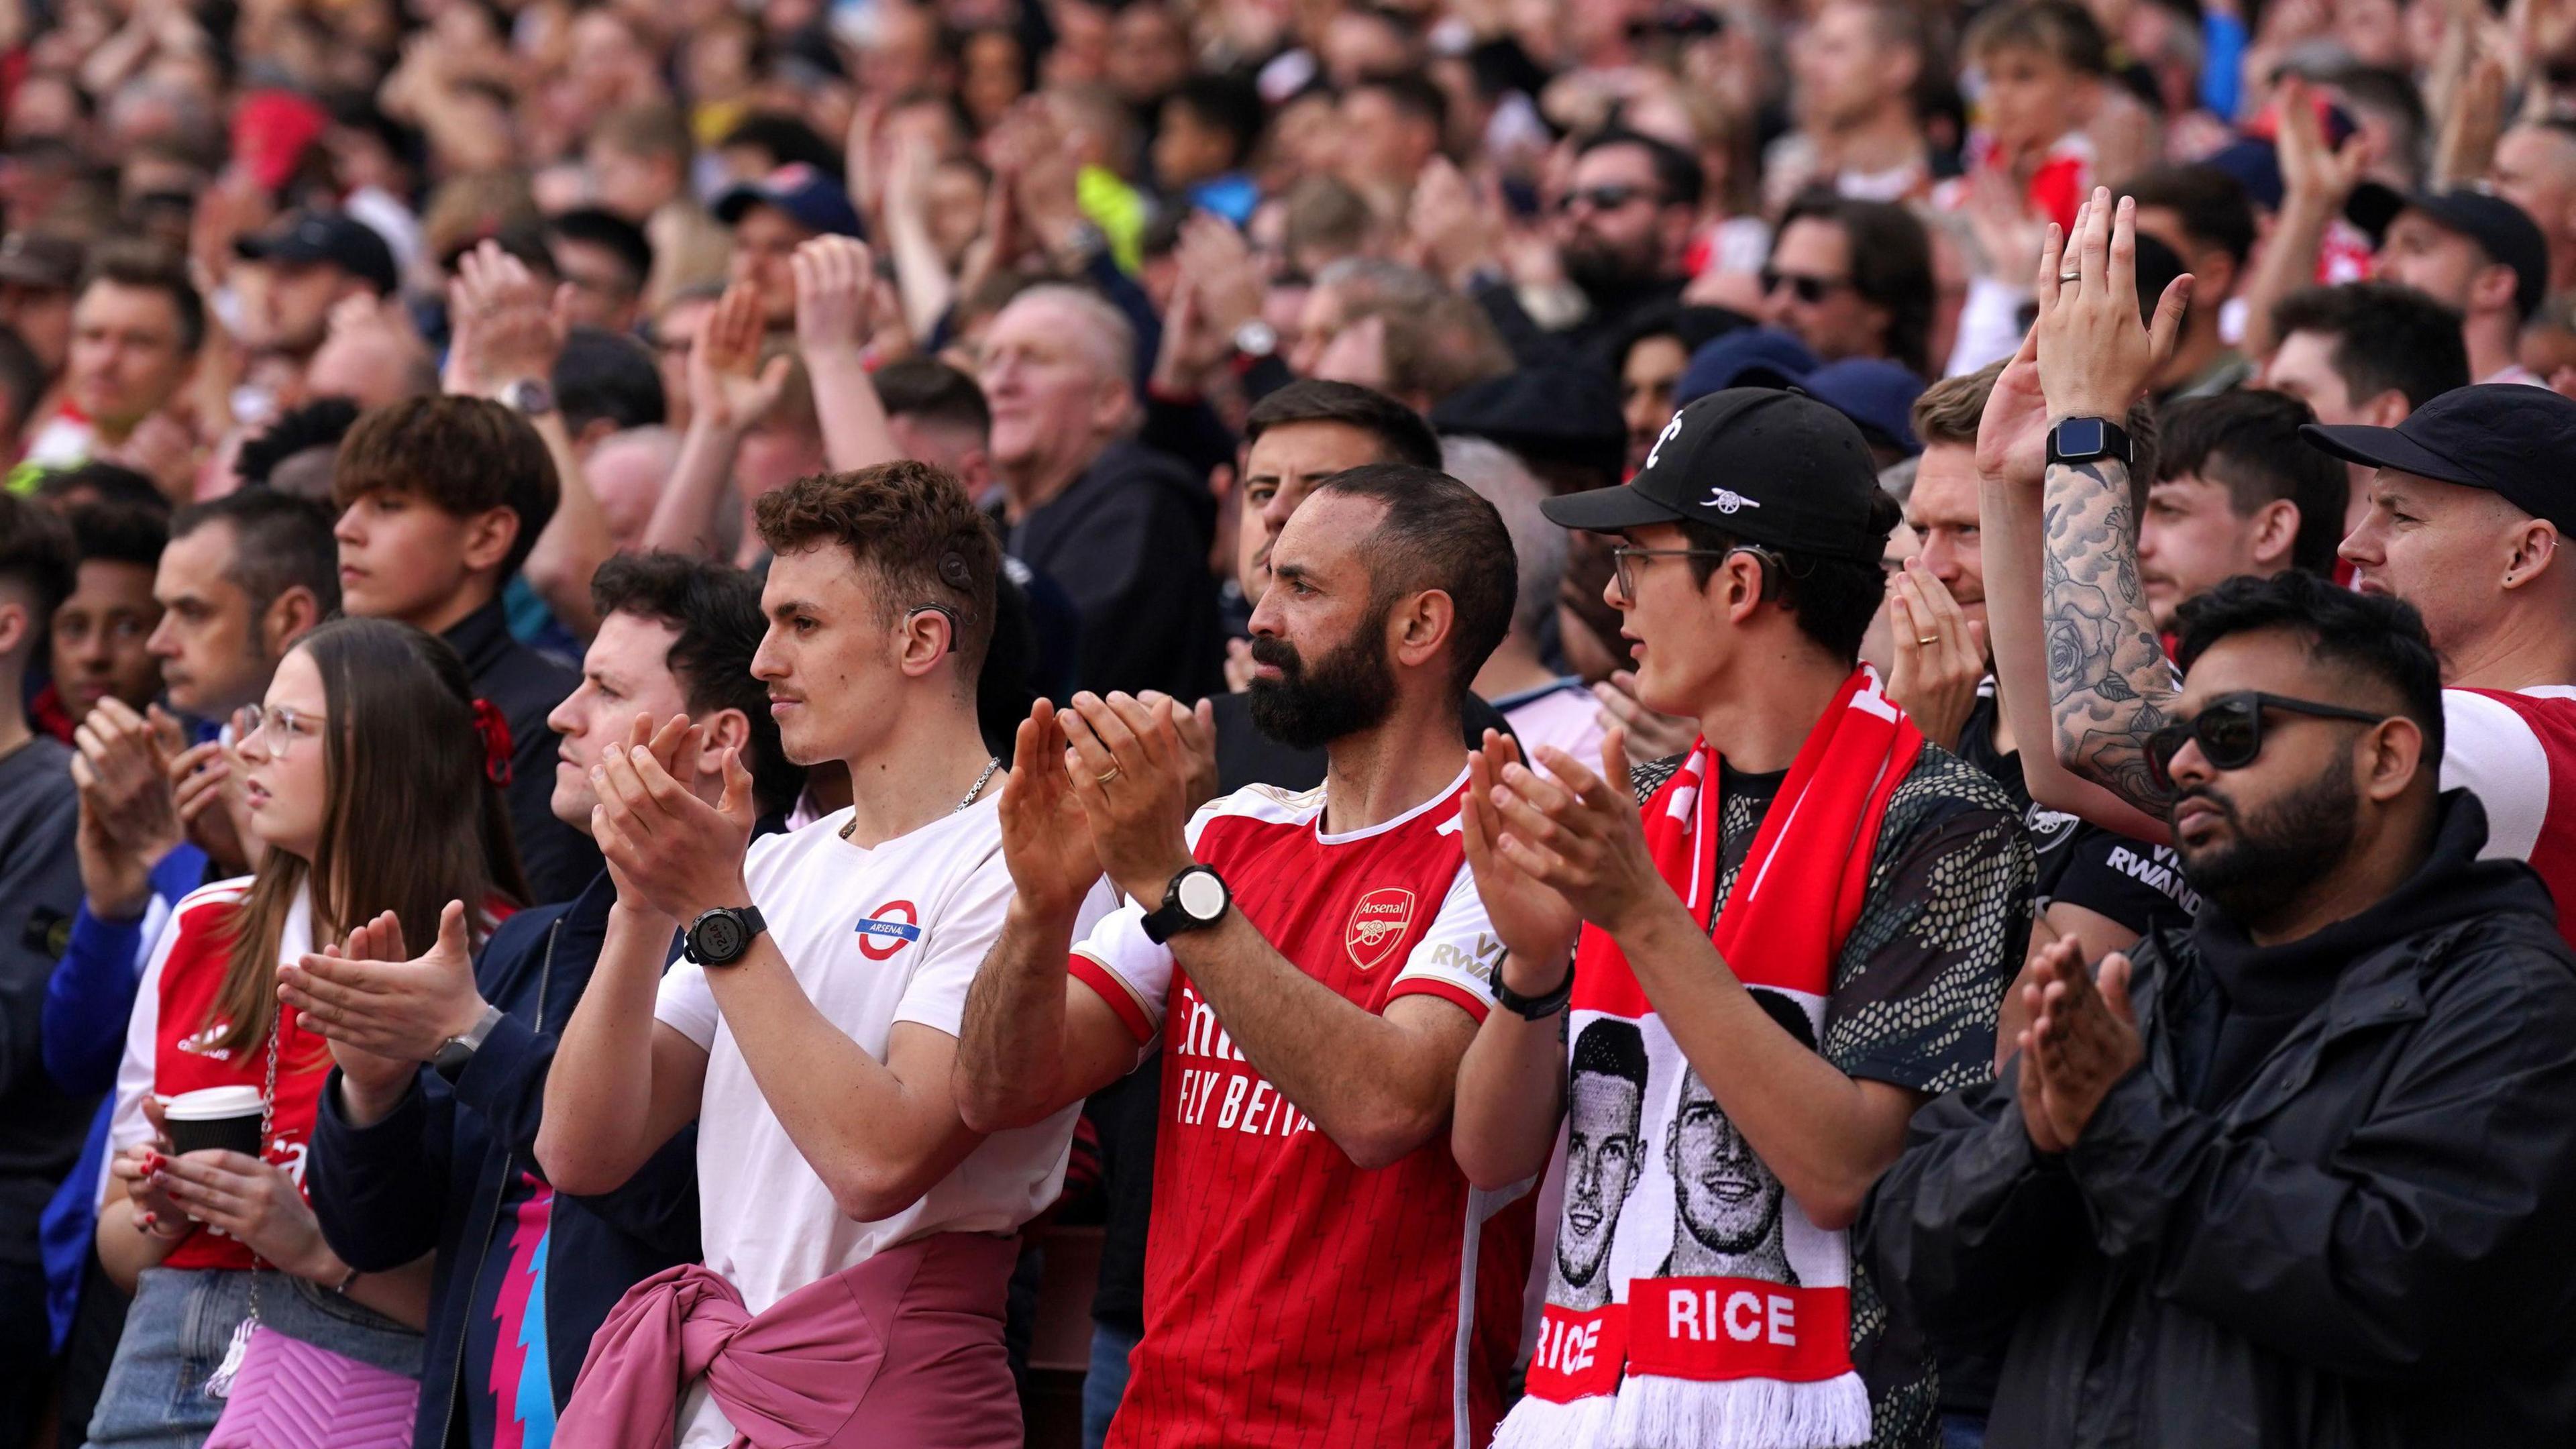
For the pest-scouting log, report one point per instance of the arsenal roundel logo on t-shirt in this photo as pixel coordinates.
(1377, 925)
(888, 929)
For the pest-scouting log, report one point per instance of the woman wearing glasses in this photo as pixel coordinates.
(212, 1240)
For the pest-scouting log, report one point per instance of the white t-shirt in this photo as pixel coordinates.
(875, 936)
(1563, 716)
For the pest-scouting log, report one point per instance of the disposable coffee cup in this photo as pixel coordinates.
(215, 1117)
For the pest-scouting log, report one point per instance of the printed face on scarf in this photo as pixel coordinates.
(1603, 1155)
(1727, 1199)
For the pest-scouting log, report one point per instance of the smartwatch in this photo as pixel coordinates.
(1255, 340)
(721, 936)
(2081, 440)
(1195, 900)
(529, 397)
(1534, 1008)
(456, 1051)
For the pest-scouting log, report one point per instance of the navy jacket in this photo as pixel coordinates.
(435, 1172)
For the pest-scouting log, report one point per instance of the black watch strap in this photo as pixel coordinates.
(723, 936)
(1534, 1008)
(2083, 439)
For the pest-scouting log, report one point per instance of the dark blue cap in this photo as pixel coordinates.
(2515, 441)
(327, 238)
(811, 199)
(1873, 392)
(1751, 357)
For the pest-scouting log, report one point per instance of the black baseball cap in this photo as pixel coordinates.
(334, 237)
(2516, 441)
(2504, 231)
(1769, 466)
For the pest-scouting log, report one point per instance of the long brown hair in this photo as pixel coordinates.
(412, 821)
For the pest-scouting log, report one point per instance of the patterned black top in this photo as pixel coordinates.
(1916, 990)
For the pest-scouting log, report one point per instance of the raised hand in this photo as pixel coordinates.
(2012, 433)
(2095, 356)
(2312, 171)
(728, 386)
(681, 855)
(1130, 770)
(509, 328)
(1579, 834)
(207, 792)
(1940, 654)
(128, 818)
(835, 295)
(1536, 925)
(370, 998)
(1196, 727)
(1651, 736)
(2082, 1039)
(1046, 839)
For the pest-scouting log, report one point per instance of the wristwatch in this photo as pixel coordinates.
(2081, 440)
(721, 936)
(1255, 339)
(456, 1051)
(1195, 900)
(530, 397)
(1534, 1008)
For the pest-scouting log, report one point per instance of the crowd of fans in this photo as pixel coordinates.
(678, 671)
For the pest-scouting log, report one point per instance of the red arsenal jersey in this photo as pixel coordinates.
(1290, 1296)
(176, 1006)
(2517, 751)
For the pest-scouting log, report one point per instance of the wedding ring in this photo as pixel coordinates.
(1928, 639)
(1105, 776)
(2065, 277)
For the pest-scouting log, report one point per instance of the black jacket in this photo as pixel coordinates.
(526, 686)
(1128, 541)
(435, 1172)
(2365, 1242)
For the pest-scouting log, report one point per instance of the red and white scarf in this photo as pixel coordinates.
(1711, 1313)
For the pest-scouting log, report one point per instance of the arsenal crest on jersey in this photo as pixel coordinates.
(1377, 925)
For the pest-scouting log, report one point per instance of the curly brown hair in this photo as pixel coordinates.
(910, 524)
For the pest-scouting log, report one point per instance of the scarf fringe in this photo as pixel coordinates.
(1655, 1412)
(1536, 1423)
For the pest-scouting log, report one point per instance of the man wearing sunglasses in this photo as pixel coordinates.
(2312, 1147)
(1852, 279)
(2467, 511)
(1622, 226)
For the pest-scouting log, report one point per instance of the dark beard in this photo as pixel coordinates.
(1600, 272)
(1342, 693)
(2278, 855)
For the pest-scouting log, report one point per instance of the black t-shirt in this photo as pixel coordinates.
(2129, 881)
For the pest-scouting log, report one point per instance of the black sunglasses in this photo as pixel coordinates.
(1601, 198)
(1810, 290)
(2229, 730)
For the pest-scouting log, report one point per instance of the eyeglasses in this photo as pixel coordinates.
(1601, 198)
(273, 728)
(2229, 730)
(1623, 561)
(1810, 290)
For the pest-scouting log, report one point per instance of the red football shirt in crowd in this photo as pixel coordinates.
(1290, 1296)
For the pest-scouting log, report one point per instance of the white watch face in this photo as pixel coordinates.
(1202, 896)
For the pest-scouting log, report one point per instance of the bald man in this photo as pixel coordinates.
(1120, 527)
(2535, 169)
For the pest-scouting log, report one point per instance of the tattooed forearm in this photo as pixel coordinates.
(2109, 683)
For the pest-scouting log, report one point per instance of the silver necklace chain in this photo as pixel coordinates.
(991, 763)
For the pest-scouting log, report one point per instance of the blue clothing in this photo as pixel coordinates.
(524, 1276)
(1106, 1383)
(87, 1004)
(2223, 39)
(181, 1322)
(1233, 196)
